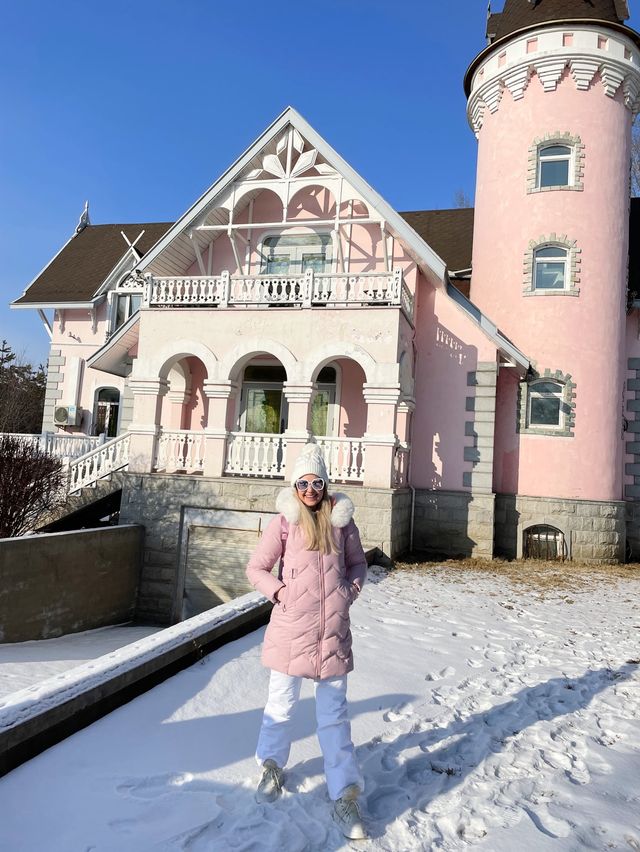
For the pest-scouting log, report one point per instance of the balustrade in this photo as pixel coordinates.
(401, 466)
(180, 450)
(306, 290)
(345, 457)
(252, 454)
(100, 462)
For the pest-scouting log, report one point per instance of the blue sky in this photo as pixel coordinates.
(139, 107)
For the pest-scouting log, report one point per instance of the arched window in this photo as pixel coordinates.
(105, 412)
(545, 404)
(554, 166)
(544, 542)
(550, 268)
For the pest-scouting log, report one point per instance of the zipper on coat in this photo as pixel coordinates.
(319, 660)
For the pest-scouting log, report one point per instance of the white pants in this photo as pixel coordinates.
(334, 729)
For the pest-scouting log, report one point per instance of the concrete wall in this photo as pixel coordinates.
(59, 583)
(156, 501)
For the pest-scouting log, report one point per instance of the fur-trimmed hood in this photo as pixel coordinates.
(288, 504)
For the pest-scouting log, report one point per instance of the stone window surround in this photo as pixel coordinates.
(573, 266)
(567, 406)
(576, 165)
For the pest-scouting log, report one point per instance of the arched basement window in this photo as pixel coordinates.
(544, 542)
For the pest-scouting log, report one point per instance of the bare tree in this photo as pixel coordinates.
(31, 485)
(22, 391)
(635, 158)
(461, 199)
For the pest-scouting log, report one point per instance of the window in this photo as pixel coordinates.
(105, 412)
(554, 166)
(545, 402)
(556, 163)
(126, 304)
(293, 255)
(544, 542)
(550, 268)
(263, 406)
(546, 405)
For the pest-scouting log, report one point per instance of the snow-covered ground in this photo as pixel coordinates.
(486, 714)
(24, 664)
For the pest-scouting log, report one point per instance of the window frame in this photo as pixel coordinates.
(563, 257)
(526, 393)
(300, 250)
(576, 162)
(569, 158)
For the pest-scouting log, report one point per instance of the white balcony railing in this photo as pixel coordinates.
(180, 450)
(60, 445)
(306, 290)
(253, 454)
(401, 466)
(344, 457)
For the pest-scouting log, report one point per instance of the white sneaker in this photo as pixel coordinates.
(346, 814)
(270, 786)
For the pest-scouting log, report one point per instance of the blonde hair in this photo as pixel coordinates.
(316, 526)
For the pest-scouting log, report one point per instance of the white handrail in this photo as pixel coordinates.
(100, 462)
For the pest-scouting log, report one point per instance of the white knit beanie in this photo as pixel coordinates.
(310, 460)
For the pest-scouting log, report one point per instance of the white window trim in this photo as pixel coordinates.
(576, 164)
(556, 158)
(562, 257)
(567, 406)
(572, 269)
(534, 394)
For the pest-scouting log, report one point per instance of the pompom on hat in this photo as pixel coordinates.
(310, 460)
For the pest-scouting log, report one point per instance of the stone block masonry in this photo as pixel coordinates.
(53, 391)
(594, 531)
(454, 523)
(156, 501)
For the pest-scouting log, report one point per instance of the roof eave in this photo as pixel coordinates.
(423, 252)
(58, 304)
(622, 28)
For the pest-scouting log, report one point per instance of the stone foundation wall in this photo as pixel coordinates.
(633, 531)
(594, 531)
(156, 502)
(454, 523)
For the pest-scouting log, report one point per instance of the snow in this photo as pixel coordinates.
(25, 664)
(487, 714)
(45, 694)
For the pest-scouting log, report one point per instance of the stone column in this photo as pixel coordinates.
(380, 439)
(481, 407)
(145, 427)
(216, 433)
(297, 433)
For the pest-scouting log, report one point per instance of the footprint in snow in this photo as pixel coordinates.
(162, 785)
(449, 671)
(386, 800)
(475, 664)
(398, 713)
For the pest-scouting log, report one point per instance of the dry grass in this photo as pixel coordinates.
(536, 575)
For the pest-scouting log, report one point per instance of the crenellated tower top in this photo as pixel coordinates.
(547, 37)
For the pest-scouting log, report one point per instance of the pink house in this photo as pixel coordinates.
(471, 374)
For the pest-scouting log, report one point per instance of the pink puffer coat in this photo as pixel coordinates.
(308, 634)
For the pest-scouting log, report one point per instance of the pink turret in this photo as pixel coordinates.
(551, 101)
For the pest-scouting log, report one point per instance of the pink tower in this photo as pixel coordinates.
(551, 100)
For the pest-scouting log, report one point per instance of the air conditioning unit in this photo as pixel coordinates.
(67, 415)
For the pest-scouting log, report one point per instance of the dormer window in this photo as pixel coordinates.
(554, 166)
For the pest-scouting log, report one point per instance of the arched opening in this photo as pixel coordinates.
(106, 411)
(184, 411)
(545, 542)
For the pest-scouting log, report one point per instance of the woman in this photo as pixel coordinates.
(322, 570)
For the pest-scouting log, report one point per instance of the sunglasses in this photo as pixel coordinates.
(304, 484)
